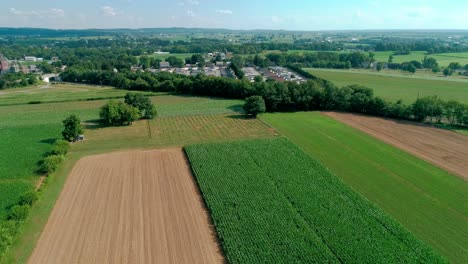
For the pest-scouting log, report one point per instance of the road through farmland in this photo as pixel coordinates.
(444, 148)
(129, 207)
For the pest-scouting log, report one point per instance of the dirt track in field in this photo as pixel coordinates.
(129, 207)
(444, 148)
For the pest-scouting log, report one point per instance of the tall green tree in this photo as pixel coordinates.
(72, 128)
(142, 103)
(117, 113)
(254, 105)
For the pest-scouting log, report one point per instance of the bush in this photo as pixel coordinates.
(19, 213)
(8, 231)
(51, 163)
(61, 147)
(28, 198)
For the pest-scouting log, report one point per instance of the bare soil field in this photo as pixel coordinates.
(129, 207)
(444, 148)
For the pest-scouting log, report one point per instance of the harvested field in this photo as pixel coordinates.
(129, 207)
(444, 148)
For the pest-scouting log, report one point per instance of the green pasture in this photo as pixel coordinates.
(394, 88)
(58, 93)
(428, 201)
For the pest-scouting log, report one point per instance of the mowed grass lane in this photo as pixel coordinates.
(395, 88)
(48, 93)
(425, 199)
(272, 203)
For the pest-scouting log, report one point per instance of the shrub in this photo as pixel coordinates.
(19, 213)
(51, 163)
(61, 147)
(28, 198)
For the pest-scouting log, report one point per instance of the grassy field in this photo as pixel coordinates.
(31, 128)
(444, 59)
(394, 88)
(425, 199)
(58, 93)
(163, 57)
(316, 217)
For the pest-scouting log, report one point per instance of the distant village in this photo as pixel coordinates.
(216, 64)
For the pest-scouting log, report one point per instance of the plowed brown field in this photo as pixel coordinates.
(444, 148)
(129, 207)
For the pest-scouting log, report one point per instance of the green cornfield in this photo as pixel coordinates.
(272, 203)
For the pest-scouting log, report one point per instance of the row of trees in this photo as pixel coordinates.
(319, 59)
(315, 94)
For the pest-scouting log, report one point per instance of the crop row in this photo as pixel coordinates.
(271, 203)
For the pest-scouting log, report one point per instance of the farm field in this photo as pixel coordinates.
(286, 201)
(59, 92)
(425, 199)
(163, 57)
(394, 88)
(174, 131)
(129, 207)
(444, 59)
(441, 147)
(419, 74)
(32, 128)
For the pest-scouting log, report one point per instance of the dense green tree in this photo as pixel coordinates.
(117, 113)
(254, 105)
(142, 103)
(429, 63)
(72, 128)
(447, 72)
(379, 67)
(175, 62)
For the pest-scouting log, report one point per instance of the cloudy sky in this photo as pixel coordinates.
(239, 14)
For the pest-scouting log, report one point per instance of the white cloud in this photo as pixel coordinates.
(224, 11)
(49, 13)
(108, 11)
(190, 13)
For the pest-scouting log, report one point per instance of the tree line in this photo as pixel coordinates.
(315, 94)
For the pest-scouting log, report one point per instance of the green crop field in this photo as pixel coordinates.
(394, 88)
(272, 203)
(58, 93)
(428, 201)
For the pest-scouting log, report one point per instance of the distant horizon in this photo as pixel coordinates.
(253, 29)
(294, 15)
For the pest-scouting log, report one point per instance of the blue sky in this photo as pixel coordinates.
(240, 14)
